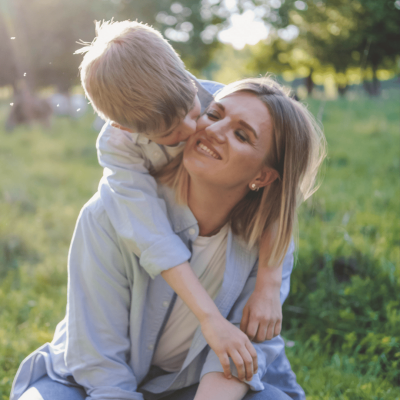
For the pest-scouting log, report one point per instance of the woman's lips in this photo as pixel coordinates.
(207, 149)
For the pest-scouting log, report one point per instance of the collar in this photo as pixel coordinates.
(180, 215)
(205, 96)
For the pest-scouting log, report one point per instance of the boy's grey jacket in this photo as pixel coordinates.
(116, 311)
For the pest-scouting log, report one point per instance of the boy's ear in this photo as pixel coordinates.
(265, 177)
(115, 125)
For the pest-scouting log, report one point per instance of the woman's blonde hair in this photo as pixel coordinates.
(297, 152)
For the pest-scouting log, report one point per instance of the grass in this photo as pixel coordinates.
(342, 317)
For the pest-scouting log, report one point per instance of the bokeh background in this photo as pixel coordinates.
(341, 58)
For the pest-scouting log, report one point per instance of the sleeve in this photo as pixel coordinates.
(287, 271)
(268, 351)
(97, 343)
(129, 195)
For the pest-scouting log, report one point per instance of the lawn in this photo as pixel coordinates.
(342, 318)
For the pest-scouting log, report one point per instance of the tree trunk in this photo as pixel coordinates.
(373, 88)
(309, 83)
(342, 89)
(376, 84)
(23, 111)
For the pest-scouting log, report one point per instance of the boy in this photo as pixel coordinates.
(136, 81)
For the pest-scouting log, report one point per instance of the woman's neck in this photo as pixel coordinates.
(211, 206)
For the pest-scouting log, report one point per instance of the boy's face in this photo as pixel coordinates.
(180, 132)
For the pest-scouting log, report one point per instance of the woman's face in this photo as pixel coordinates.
(231, 143)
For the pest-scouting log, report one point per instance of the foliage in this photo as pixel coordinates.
(342, 313)
(346, 34)
(332, 33)
(345, 290)
(44, 47)
(190, 25)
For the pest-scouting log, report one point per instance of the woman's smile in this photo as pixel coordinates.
(204, 147)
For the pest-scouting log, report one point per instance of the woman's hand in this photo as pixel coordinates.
(262, 315)
(229, 341)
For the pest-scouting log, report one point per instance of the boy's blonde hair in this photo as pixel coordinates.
(297, 153)
(134, 77)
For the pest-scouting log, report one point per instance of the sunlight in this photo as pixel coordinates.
(244, 29)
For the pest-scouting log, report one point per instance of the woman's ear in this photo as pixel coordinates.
(266, 176)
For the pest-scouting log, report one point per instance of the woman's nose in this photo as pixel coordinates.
(216, 131)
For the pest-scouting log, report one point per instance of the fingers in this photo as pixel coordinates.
(244, 364)
(253, 354)
(252, 328)
(262, 332)
(224, 360)
(270, 331)
(278, 328)
(245, 320)
(260, 329)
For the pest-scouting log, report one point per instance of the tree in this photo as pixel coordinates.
(340, 33)
(190, 25)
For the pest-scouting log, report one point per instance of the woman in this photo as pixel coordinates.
(254, 157)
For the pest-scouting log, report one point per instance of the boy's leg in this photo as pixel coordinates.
(269, 393)
(279, 381)
(47, 389)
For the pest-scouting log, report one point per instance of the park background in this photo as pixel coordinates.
(341, 58)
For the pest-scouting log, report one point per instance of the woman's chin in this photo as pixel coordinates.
(198, 166)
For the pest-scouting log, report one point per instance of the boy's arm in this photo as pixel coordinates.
(129, 195)
(139, 216)
(262, 315)
(224, 338)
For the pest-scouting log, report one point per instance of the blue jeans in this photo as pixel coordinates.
(279, 381)
(47, 389)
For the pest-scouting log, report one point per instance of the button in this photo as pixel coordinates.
(192, 231)
(156, 154)
(165, 304)
(150, 346)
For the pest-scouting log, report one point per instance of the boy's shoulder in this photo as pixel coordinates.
(211, 86)
(111, 131)
(206, 90)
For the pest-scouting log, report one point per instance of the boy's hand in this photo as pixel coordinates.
(262, 315)
(228, 341)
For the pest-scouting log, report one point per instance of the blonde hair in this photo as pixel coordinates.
(134, 77)
(297, 153)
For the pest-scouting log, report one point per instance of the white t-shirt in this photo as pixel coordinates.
(208, 263)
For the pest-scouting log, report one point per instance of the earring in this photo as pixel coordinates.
(254, 187)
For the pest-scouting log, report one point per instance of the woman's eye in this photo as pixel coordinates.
(241, 136)
(212, 115)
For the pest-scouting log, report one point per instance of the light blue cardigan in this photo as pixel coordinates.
(116, 311)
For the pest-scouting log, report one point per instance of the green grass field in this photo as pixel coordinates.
(342, 318)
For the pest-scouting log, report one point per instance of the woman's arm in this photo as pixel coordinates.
(262, 315)
(97, 344)
(214, 386)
